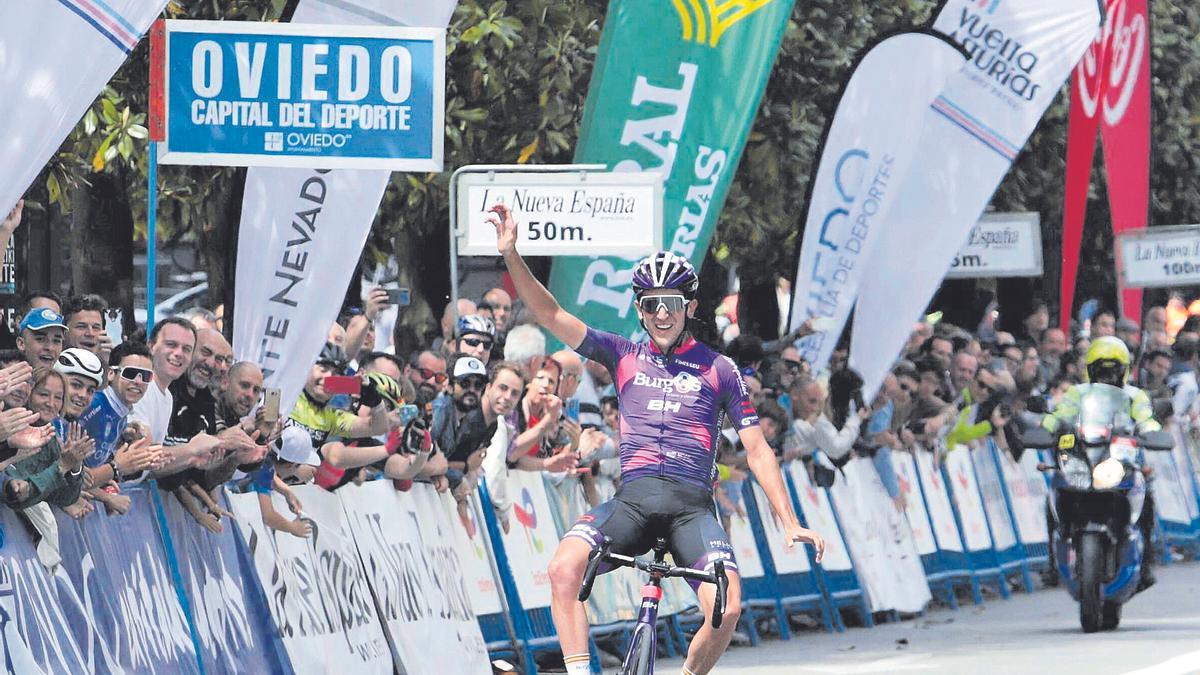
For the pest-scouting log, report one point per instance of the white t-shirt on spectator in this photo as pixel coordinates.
(154, 410)
(823, 436)
(495, 468)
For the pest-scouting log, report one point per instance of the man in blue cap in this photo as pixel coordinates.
(40, 337)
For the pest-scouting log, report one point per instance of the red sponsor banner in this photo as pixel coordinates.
(1110, 93)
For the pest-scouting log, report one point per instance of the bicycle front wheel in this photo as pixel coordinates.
(639, 660)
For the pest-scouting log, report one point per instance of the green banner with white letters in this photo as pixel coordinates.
(675, 90)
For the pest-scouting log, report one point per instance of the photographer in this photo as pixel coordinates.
(990, 415)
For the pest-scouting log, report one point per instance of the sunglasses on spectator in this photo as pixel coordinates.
(987, 388)
(131, 373)
(906, 389)
(650, 304)
(794, 366)
(426, 374)
(475, 342)
(472, 382)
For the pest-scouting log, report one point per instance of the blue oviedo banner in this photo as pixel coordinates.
(308, 96)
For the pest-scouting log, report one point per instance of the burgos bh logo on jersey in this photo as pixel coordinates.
(683, 383)
(705, 21)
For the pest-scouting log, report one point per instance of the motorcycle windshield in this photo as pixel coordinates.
(1103, 408)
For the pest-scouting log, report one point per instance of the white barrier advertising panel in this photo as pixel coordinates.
(888, 565)
(745, 550)
(1027, 488)
(814, 503)
(993, 499)
(914, 506)
(318, 594)
(472, 544)
(406, 542)
(1183, 467)
(564, 212)
(1169, 500)
(531, 540)
(941, 513)
(787, 560)
(966, 495)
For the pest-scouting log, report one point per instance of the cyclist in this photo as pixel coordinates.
(673, 396)
(1107, 362)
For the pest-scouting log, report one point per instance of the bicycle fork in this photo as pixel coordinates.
(643, 644)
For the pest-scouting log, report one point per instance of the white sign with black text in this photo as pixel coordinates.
(1159, 257)
(563, 212)
(1001, 245)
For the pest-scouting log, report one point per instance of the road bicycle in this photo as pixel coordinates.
(639, 659)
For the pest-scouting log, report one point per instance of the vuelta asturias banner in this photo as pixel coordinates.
(869, 144)
(1020, 53)
(303, 230)
(682, 109)
(1111, 92)
(268, 94)
(73, 47)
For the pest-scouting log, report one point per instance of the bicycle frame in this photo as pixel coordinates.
(643, 643)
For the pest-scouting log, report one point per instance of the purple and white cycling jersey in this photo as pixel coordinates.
(672, 408)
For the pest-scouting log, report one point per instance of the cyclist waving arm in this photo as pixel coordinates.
(545, 309)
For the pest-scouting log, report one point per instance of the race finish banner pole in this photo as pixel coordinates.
(157, 132)
(682, 109)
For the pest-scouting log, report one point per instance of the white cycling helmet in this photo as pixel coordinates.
(473, 323)
(76, 361)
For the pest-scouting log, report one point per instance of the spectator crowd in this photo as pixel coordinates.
(83, 419)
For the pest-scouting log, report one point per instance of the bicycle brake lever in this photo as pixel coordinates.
(722, 586)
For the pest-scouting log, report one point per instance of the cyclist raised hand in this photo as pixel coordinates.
(674, 394)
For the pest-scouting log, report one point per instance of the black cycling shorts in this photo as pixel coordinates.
(651, 507)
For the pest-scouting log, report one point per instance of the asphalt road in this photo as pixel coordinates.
(1029, 633)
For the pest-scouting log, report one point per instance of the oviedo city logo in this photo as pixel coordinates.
(527, 517)
(704, 21)
(1121, 47)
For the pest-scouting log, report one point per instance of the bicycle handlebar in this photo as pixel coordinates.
(602, 554)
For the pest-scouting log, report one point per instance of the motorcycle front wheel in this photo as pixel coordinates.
(1091, 581)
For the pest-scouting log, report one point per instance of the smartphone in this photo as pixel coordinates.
(113, 324)
(271, 405)
(343, 384)
(571, 409)
(407, 413)
(401, 297)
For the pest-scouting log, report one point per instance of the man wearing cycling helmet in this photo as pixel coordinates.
(475, 335)
(1107, 362)
(674, 393)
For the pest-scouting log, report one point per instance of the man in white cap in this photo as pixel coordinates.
(292, 456)
(449, 410)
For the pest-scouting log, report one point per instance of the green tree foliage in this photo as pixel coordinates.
(516, 81)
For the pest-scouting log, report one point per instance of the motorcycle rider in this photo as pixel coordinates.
(1107, 362)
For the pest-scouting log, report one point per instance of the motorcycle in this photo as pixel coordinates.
(1098, 491)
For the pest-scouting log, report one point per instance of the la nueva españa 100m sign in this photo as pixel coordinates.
(311, 96)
